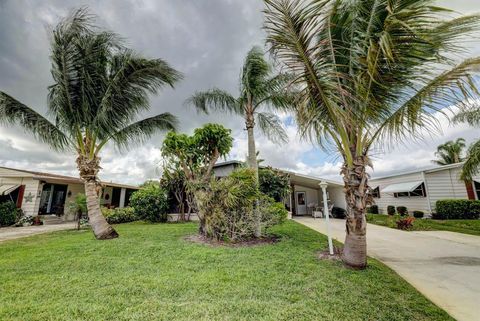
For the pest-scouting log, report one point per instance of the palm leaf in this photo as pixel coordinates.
(14, 112)
(215, 99)
(272, 127)
(472, 164)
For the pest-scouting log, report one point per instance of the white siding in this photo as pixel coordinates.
(445, 184)
(412, 203)
(224, 170)
(31, 191)
(75, 189)
(337, 196)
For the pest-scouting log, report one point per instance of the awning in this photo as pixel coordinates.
(402, 187)
(7, 189)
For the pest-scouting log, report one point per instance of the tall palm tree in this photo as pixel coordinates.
(470, 115)
(99, 89)
(450, 152)
(368, 71)
(261, 91)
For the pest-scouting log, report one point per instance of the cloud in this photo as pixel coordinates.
(207, 40)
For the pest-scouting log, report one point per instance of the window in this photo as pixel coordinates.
(417, 192)
(376, 192)
(476, 187)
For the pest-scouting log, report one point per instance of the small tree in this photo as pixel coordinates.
(173, 180)
(79, 207)
(196, 155)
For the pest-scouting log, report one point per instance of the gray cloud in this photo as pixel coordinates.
(206, 40)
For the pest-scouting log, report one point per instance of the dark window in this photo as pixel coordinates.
(418, 192)
(116, 196)
(376, 192)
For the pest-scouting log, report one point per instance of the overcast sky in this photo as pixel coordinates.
(206, 40)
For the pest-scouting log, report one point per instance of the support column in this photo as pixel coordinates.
(123, 191)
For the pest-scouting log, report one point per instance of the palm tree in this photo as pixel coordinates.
(450, 152)
(99, 89)
(470, 115)
(368, 72)
(260, 91)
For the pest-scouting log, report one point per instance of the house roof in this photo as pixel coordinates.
(57, 177)
(309, 179)
(424, 170)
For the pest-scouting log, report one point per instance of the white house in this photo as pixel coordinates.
(305, 194)
(44, 193)
(419, 190)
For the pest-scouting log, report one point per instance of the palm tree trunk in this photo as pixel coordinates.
(357, 198)
(252, 163)
(101, 229)
(88, 169)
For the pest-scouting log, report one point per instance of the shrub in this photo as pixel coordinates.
(373, 209)
(405, 223)
(150, 203)
(457, 209)
(418, 214)
(391, 210)
(8, 213)
(228, 207)
(402, 210)
(26, 220)
(338, 212)
(119, 215)
(274, 183)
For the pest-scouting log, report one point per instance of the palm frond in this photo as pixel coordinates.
(255, 72)
(14, 112)
(272, 126)
(142, 130)
(215, 99)
(471, 167)
(470, 115)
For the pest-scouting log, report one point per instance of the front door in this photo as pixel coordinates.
(52, 200)
(301, 203)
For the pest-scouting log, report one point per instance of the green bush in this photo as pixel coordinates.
(418, 214)
(373, 209)
(402, 210)
(150, 204)
(391, 210)
(456, 209)
(338, 212)
(274, 183)
(119, 215)
(228, 208)
(8, 213)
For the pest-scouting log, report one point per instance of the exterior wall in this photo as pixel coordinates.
(445, 184)
(337, 196)
(312, 195)
(31, 198)
(412, 203)
(223, 171)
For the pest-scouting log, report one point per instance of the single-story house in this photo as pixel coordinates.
(305, 195)
(420, 189)
(39, 193)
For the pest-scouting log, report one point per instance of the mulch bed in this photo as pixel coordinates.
(200, 239)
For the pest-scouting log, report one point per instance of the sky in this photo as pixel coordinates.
(207, 40)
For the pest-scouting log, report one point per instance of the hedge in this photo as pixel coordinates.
(373, 209)
(457, 209)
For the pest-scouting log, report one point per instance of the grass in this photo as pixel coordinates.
(460, 226)
(152, 273)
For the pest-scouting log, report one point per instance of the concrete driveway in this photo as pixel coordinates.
(11, 233)
(444, 266)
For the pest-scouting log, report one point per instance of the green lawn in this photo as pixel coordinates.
(152, 273)
(461, 226)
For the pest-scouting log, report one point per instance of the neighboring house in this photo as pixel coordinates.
(305, 190)
(419, 190)
(43, 193)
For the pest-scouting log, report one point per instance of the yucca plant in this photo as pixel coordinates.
(99, 89)
(369, 71)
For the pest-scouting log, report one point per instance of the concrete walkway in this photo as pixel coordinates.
(11, 233)
(444, 266)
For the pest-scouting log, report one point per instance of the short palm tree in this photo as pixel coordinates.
(471, 116)
(368, 71)
(450, 152)
(261, 91)
(99, 89)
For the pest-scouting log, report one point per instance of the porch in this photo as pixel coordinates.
(307, 196)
